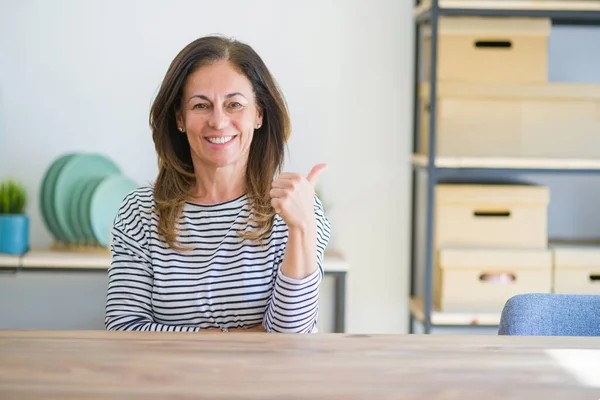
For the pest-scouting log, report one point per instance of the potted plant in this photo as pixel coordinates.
(14, 224)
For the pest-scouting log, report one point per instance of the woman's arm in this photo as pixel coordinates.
(130, 284)
(131, 276)
(294, 199)
(294, 303)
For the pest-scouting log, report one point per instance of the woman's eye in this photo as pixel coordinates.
(201, 106)
(235, 105)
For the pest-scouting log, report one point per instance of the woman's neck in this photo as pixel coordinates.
(218, 185)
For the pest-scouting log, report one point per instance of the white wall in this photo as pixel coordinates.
(80, 76)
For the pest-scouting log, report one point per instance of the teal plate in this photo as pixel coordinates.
(76, 200)
(80, 168)
(83, 208)
(47, 195)
(106, 200)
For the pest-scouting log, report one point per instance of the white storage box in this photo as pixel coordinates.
(482, 280)
(555, 120)
(490, 49)
(492, 216)
(577, 269)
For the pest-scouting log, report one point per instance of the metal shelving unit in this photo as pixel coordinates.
(427, 12)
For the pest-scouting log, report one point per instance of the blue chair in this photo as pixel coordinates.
(551, 315)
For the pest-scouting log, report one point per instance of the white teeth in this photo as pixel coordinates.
(220, 140)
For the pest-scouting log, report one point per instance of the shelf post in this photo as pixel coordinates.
(431, 170)
(416, 149)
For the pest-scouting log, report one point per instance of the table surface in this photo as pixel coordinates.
(136, 365)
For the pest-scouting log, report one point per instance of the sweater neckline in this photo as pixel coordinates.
(240, 200)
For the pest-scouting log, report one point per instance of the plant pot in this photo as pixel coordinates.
(14, 233)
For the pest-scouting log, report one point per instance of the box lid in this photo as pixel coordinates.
(498, 194)
(500, 27)
(516, 91)
(576, 255)
(494, 259)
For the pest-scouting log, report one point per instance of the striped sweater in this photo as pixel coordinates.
(221, 281)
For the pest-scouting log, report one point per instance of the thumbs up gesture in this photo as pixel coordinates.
(292, 197)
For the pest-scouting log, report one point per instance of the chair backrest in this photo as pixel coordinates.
(551, 315)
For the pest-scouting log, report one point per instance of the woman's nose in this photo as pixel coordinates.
(218, 119)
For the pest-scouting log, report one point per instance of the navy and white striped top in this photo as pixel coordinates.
(221, 282)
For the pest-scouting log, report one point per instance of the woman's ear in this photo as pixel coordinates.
(179, 120)
(259, 120)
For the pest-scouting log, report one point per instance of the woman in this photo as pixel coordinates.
(222, 241)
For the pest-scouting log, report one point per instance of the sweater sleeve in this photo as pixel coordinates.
(294, 303)
(130, 276)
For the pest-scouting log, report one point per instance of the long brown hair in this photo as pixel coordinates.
(176, 172)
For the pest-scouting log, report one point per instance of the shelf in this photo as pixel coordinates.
(7, 260)
(515, 164)
(566, 10)
(52, 259)
(528, 5)
(439, 318)
(64, 260)
(481, 168)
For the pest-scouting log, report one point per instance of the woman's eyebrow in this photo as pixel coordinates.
(200, 96)
(230, 95)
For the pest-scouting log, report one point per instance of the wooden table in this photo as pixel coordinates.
(133, 365)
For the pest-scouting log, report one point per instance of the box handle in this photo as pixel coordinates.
(491, 213)
(498, 277)
(595, 277)
(493, 44)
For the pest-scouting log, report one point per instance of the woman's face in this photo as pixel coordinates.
(219, 115)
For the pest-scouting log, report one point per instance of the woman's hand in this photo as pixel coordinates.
(292, 197)
(257, 328)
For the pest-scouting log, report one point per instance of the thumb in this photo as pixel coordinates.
(315, 172)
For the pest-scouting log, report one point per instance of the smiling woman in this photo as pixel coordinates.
(222, 240)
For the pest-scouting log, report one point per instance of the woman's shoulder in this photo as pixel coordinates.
(143, 195)
(136, 205)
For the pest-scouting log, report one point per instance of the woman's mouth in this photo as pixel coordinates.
(220, 139)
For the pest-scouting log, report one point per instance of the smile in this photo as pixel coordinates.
(220, 140)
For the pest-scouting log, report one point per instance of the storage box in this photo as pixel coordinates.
(494, 216)
(554, 120)
(490, 49)
(577, 269)
(482, 280)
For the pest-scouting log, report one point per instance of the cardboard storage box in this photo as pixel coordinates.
(577, 269)
(490, 49)
(555, 120)
(482, 280)
(494, 216)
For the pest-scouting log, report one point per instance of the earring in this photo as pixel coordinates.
(181, 129)
(258, 126)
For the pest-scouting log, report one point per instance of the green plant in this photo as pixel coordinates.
(13, 198)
